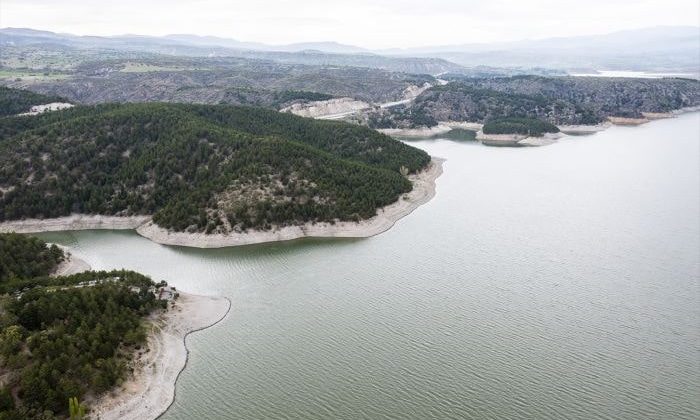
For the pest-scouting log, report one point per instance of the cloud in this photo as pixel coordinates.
(369, 23)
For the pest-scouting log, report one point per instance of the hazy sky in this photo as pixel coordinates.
(368, 23)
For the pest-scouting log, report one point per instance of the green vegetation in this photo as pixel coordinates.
(75, 409)
(26, 257)
(300, 95)
(105, 76)
(130, 67)
(16, 101)
(528, 126)
(198, 167)
(458, 134)
(557, 100)
(31, 75)
(62, 338)
(270, 98)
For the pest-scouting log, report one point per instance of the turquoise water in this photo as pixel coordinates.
(549, 283)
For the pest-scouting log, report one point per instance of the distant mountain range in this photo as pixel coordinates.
(663, 48)
(320, 53)
(25, 36)
(671, 48)
(327, 47)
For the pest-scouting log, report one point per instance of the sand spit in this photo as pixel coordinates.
(628, 121)
(584, 129)
(442, 128)
(73, 222)
(423, 191)
(151, 390)
(517, 140)
(650, 116)
(71, 265)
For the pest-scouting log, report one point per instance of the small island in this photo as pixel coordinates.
(516, 131)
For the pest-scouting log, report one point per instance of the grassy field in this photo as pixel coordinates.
(135, 67)
(31, 75)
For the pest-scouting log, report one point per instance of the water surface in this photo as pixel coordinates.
(549, 283)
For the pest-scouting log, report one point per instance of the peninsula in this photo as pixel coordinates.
(205, 175)
(130, 355)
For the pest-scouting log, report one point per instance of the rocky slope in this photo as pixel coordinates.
(558, 100)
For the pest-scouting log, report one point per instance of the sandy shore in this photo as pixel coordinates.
(151, 390)
(444, 127)
(584, 129)
(423, 132)
(423, 191)
(73, 222)
(650, 116)
(628, 121)
(71, 265)
(516, 140)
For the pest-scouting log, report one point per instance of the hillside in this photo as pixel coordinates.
(59, 341)
(91, 77)
(198, 168)
(16, 101)
(557, 100)
(26, 257)
(526, 126)
(317, 54)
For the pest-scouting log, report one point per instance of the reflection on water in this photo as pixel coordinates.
(548, 283)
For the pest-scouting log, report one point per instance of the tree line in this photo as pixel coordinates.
(59, 341)
(179, 163)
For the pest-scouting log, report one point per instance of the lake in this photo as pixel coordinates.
(549, 283)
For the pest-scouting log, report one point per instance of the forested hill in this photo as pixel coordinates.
(527, 126)
(17, 101)
(211, 168)
(25, 257)
(558, 100)
(63, 337)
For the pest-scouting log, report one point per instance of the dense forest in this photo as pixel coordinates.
(17, 101)
(198, 167)
(528, 126)
(26, 257)
(603, 96)
(557, 100)
(64, 337)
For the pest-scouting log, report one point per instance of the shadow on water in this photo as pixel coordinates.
(457, 134)
(300, 246)
(295, 246)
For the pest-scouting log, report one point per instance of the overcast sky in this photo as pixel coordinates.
(367, 23)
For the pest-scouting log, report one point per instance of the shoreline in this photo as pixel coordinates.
(444, 127)
(71, 265)
(150, 391)
(517, 140)
(74, 222)
(424, 190)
